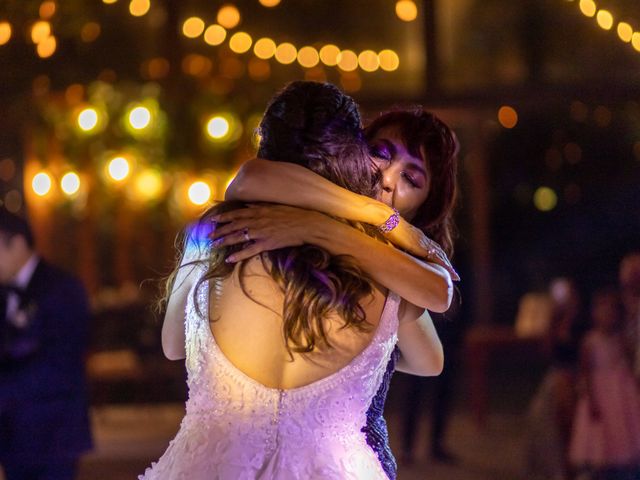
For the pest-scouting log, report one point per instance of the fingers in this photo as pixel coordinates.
(232, 239)
(234, 226)
(234, 215)
(252, 249)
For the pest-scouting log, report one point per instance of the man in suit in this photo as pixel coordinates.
(44, 320)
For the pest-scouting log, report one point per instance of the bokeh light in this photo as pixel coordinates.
(5, 32)
(199, 192)
(286, 53)
(348, 60)
(308, 57)
(148, 185)
(389, 60)
(406, 10)
(240, 42)
(545, 199)
(139, 118)
(90, 32)
(41, 184)
(507, 116)
(635, 40)
(70, 183)
(604, 19)
(215, 34)
(118, 168)
(47, 47)
(40, 31)
(264, 48)
(138, 8)
(269, 3)
(218, 127)
(625, 31)
(193, 27)
(588, 8)
(329, 55)
(88, 119)
(368, 61)
(47, 9)
(228, 16)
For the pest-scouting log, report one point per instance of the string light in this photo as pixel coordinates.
(329, 55)
(40, 31)
(193, 27)
(389, 60)
(406, 10)
(507, 116)
(118, 168)
(348, 60)
(47, 47)
(215, 35)
(369, 61)
(264, 48)
(286, 53)
(625, 32)
(41, 184)
(47, 9)
(5, 32)
(139, 8)
(269, 3)
(88, 119)
(218, 127)
(199, 192)
(139, 118)
(70, 183)
(604, 19)
(240, 42)
(228, 16)
(587, 7)
(308, 57)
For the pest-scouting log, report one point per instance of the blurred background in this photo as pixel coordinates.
(122, 119)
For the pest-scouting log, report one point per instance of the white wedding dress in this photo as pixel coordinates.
(236, 428)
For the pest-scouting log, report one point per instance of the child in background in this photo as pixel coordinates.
(606, 436)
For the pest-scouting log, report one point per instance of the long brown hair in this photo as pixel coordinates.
(423, 131)
(317, 126)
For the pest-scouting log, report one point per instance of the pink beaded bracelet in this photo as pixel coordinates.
(391, 223)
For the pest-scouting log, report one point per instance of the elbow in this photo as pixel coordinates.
(431, 366)
(172, 353)
(441, 297)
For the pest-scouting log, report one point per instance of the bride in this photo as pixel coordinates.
(286, 350)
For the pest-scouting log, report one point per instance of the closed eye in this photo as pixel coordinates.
(380, 150)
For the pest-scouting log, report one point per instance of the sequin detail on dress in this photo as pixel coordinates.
(236, 428)
(376, 430)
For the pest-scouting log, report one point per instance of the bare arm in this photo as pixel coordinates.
(286, 183)
(270, 227)
(173, 334)
(421, 351)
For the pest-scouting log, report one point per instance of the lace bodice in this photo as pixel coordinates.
(237, 428)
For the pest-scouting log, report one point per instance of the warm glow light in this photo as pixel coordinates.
(148, 185)
(635, 40)
(329, 55)
(588, 7)
(308, 57)
(240, 42)
(90, 31)
(5, 32)
(625, 31)
(286, 53)
(40, 31)
(47, 9)
(604, 19)
(109, 1)
(70, 183)
(264, 48)
(215, 34)
(118, 168)
(369, 61)
(389, 60)
(88, 119)
(193, 27)
(199, 193)
(348, 60)
(545, 199)
(228, 16)
(41, 184)
(406, 10)
(138, 8)
(508, 117)
(139, 118)
(218, 127)
(269, 3)
(47, 47)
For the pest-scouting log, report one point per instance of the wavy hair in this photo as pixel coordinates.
(317, 126)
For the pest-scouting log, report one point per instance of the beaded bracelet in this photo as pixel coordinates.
(391, 223)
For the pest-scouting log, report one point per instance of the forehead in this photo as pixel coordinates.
(394, 135)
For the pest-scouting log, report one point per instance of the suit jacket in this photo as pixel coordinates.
(43, 391)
